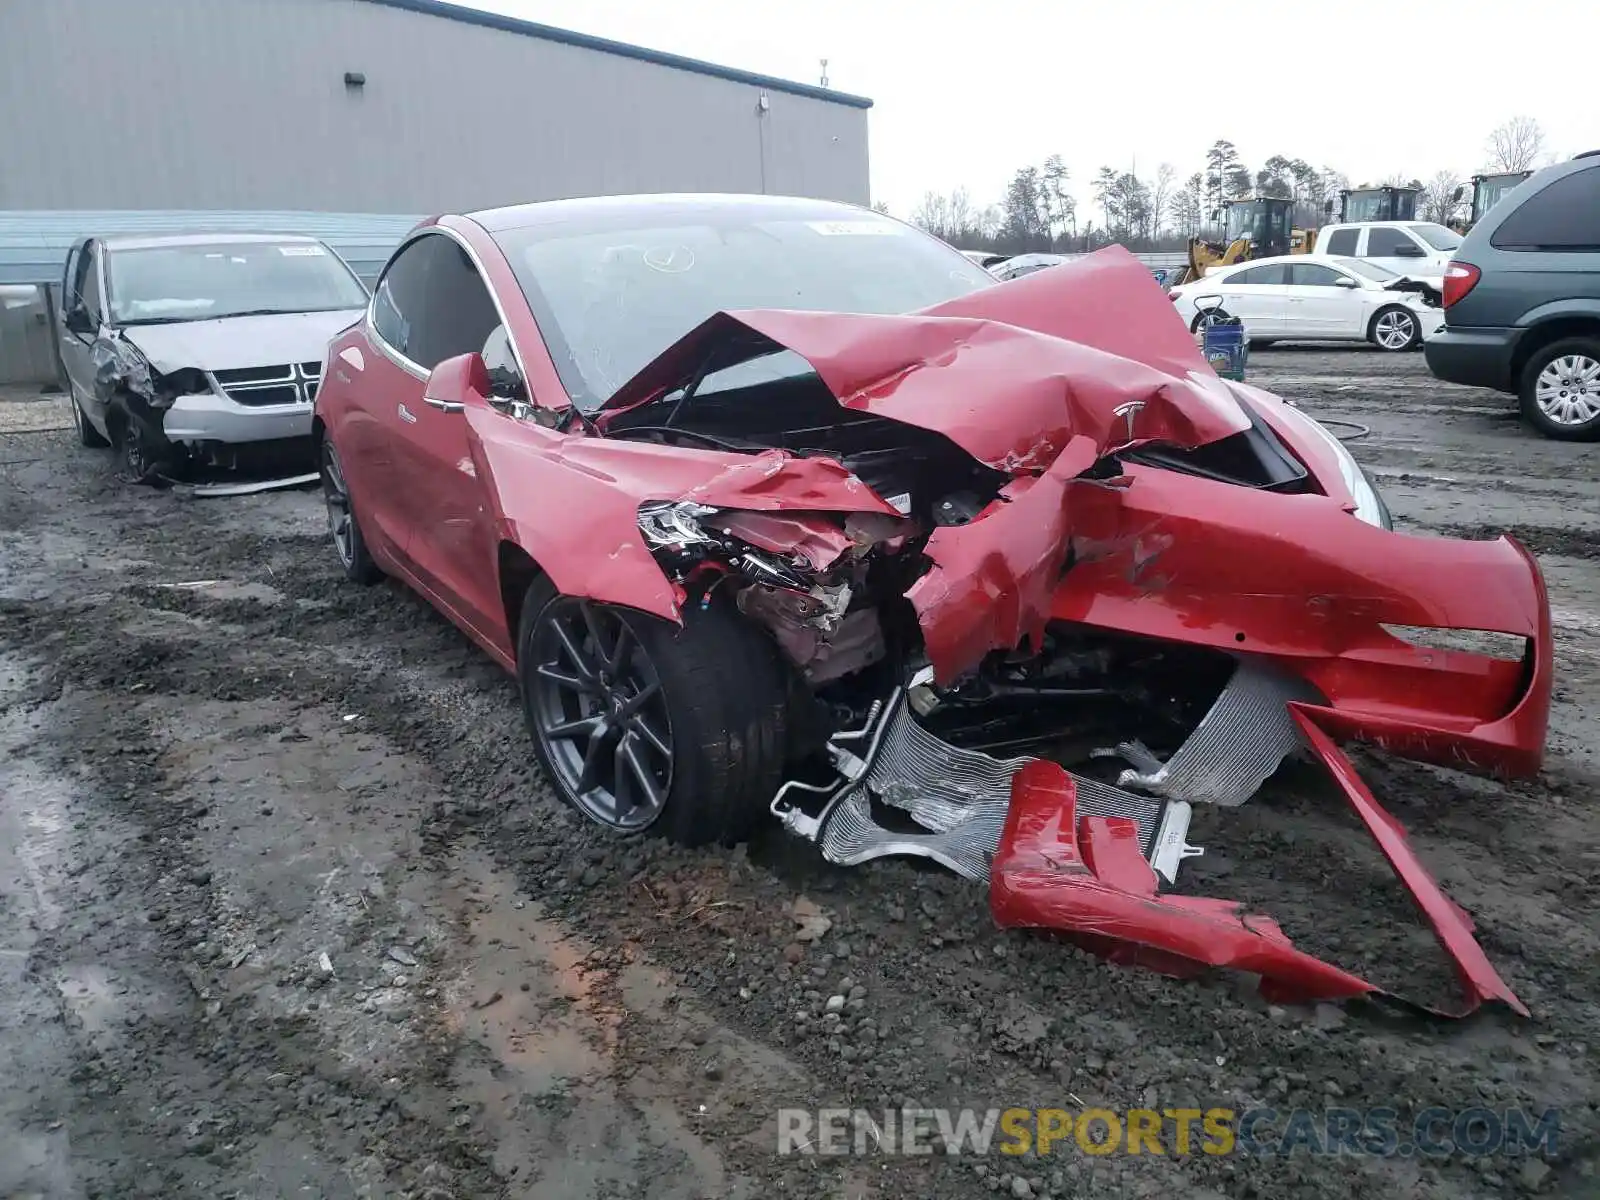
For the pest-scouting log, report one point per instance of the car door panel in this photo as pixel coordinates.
(449, 529)
(367, 433)
(82, 285)
(451, 542)
(1260, 305)
(1318, 307)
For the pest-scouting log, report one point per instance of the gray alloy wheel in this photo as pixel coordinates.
(343, 527)
(600, 714)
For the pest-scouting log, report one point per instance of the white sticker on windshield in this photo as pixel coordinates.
(300, 251)
(847, 228)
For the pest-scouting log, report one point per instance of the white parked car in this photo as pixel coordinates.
(1314, 297)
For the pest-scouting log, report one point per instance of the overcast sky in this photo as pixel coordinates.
(967, 92)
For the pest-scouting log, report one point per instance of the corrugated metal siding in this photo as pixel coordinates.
(34, 245)
(184, 104)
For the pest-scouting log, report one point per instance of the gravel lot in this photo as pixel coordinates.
(219, 764)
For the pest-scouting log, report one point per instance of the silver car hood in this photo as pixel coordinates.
(233, 342)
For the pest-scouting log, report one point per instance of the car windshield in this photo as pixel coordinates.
(1437, 236)
(1370, 269)
(610, 300)
(203, 282)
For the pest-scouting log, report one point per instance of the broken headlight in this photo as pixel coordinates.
(186, 381)
(1369, 507)
(674, 524)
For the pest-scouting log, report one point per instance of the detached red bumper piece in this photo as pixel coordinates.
(1086, 878)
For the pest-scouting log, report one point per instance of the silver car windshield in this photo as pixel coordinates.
(203, 282)
(610, 300)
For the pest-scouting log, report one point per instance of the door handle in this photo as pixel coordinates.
(406, 415)
(445, 405)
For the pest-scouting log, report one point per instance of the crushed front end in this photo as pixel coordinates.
(1070, 586)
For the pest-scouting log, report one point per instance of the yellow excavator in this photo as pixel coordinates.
(1255, 227)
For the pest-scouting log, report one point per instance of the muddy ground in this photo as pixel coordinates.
(288, 912)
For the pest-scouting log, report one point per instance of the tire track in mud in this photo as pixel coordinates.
(735, 1019)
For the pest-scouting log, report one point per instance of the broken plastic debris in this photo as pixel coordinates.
(810, 918)
(325, 963)
(351, 716)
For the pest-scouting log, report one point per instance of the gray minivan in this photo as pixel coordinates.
(1522, 301)
(200, 347)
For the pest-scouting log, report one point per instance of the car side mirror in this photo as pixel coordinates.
(458, 382)
(1345, 281)
(1410, 250)
(78, 320)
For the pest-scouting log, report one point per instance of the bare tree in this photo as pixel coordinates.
(932, 214)
(1187, 206)
(1438, 197)
(1161, 196)
(959, 214)
(1516, 145)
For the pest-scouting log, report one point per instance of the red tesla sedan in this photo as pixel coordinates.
(779, 505)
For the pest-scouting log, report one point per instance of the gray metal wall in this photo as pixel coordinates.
(242, 104)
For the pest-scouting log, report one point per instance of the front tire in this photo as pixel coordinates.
(88, 436)
(1394, 329)
(348, 544)
(145, 454)
(1560, 390)
(642, 725)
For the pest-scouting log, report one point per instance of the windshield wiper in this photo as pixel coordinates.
(267, 312)
(158, 321)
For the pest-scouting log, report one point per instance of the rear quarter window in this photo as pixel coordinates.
(1343, 241)
(1565, 215)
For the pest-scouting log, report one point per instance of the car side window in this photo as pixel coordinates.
(1256, 276)
(1383, 242)
(1565, 215)
(398, 300)
(459, 314)
(1343, 241)
(1313, 275)
(432, 304)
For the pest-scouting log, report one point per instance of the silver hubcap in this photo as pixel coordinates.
(1395, 330)
(1207, 320)
(1568, 390)
(337, 496)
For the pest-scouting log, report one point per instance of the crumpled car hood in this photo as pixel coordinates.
(1011, 373)
(234, 342)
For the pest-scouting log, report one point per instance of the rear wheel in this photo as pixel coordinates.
(645, 726)
(1560, 390)
(1395, 328)
(343, 527)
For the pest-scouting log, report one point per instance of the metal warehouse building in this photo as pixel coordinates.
(385, 106)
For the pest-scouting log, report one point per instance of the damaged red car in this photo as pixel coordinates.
(782, 509)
